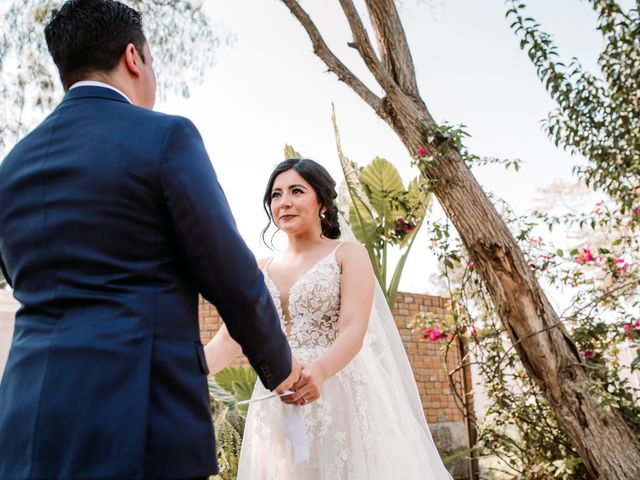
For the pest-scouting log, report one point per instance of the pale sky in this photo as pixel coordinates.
(268, 89)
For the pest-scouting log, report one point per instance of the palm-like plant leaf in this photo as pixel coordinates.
(383, 183)
(220, 394)
(239, 382)
(418, 197)
(290, 152)
(362, 223)
(362, 216)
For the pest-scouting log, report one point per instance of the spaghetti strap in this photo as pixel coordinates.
(339, 245)
(266, 265)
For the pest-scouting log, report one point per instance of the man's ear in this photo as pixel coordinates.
(132, 60)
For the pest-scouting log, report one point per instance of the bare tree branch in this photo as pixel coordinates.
(365, 48)
(393, 45)
(334, 64)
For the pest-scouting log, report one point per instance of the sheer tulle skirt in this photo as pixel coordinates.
(354, 431)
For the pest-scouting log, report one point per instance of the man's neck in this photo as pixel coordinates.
(111, 81)
(98, 83)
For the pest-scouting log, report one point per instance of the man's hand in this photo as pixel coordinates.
(292, 379)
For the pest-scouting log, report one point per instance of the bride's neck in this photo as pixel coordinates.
(304, 242)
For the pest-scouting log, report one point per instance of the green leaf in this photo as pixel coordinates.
(290, 152)
(360, 212)
(220, 394)
(418, 197)
(239, 382)
(383, 182)
(397, 274)
(361, 221)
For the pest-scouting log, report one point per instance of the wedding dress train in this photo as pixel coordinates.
(363, 426)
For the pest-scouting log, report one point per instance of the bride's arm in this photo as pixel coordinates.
(356, 298)
(222, 348)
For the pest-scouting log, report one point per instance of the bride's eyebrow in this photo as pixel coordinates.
(297, 186)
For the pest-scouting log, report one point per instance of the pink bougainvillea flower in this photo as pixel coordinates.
(584, 256)
(621, 266)
(471, 264)
(422, 152)
(588, 354)
(473, 331)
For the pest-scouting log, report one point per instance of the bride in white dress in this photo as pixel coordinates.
(362, 415)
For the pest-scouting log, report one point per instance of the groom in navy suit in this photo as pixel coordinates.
(111, 223)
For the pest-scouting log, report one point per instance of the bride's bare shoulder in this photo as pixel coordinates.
(263, 261)
(351, 250)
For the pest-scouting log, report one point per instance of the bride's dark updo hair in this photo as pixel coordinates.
(321, 182)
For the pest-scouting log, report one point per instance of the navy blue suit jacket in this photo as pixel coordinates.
(111, 223)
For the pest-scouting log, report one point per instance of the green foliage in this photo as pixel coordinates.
(601, 275)
(380, 211)
(383, 213)
(230, 386)
(597, 116)
(237, 382)
(290, 152)
(445, 139)
(180, 35)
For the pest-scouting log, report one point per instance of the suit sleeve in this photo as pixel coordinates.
(222, 265)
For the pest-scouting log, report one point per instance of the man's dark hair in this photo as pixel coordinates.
(87, 36)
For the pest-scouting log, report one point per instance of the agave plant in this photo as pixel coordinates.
(230, 386)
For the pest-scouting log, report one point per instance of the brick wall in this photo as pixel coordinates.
(426, 358)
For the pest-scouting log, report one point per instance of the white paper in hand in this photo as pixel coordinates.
(294, 430)
(266, 397)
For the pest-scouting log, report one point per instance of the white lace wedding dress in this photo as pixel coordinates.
(355, 430)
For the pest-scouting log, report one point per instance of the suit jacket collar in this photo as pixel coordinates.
(94, 92)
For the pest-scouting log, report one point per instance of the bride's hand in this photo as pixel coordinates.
(309, 386)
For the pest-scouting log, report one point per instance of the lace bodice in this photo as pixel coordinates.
(313, 305)
(361, 427)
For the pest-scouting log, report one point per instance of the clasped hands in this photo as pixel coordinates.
(306, 382)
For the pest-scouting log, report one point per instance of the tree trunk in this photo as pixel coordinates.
(603, 440)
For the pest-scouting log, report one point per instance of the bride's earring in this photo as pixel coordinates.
(322, 215)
